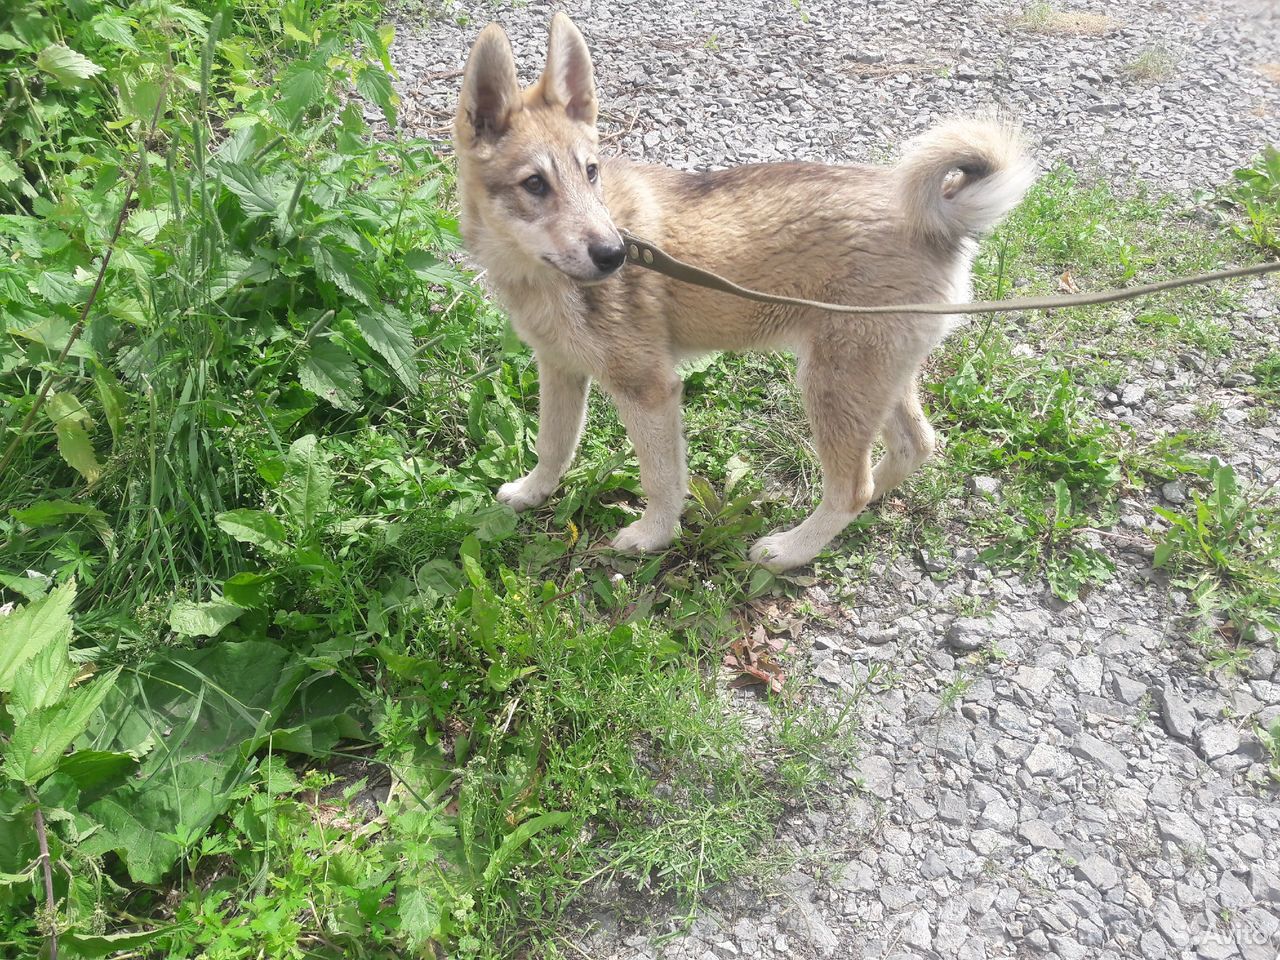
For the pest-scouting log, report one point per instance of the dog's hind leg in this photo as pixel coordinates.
(847, 397)
(651, 414)
(908, 443)
(562, 408)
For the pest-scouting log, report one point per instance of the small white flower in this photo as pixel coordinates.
(6, 608)
(617, 578)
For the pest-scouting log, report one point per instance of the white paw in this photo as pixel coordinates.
(782, 551)
(643, 537)
(522, 495)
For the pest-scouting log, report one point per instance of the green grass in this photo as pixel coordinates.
(1254, 197)
(1152, 65)
(309, 691)
(1225, 549)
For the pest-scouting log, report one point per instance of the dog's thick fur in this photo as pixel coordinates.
(539, 216)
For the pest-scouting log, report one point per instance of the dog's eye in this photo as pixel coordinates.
(593, 173)
(536, 185)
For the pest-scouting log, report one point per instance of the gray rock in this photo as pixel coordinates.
(1264, 885)
(1099, 872)
(1177, 716)
(1104, 754)
(1033, 679)
(1218, 740)
(1045, 761)
(1170, 922)
(968, 633)
(830, 671)
(998, 815)
(1179, 828)
(1087, 673)
(1127, 690)
(1040, 835)
(1175, 492)
(917, 932)
(984, 486)
(877, 776)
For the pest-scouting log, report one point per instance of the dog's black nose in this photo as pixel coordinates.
(607, 257)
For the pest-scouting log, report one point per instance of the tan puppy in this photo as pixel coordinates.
(541, 210)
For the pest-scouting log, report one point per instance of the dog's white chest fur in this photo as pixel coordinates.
(551, 320)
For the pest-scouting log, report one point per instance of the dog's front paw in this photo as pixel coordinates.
(643, 537)
(782, 551)
(523, 494)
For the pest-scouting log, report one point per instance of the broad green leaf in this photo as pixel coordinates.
(307, 481)
(9, 170)
(374, 84)
(254, 526)
(297, 24)
(47, 513)
(390, 335)
(374, 39)
(9, 879)
(193, 20)
(90, 946)
(95, 770)
(113, 400)
(66, 65)
(56, 286)
(331, 374)
(70, 419)
(497, 521)
(111, 25)
(31, 587)
(248, 590)
(256, 197)
(41, 737)
(204, 711)
(1061, 503)
(300, 87)
(326, 714)
(516, 839)
(188, 619)
(342, 267)
(418, 907)
(31, 628)
(52, 333)
(139, 96)
(432, 269)
(293, 31)
(43, 680)
(439, 578)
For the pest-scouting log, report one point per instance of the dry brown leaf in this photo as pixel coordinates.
(1067, 283)
(754, 658)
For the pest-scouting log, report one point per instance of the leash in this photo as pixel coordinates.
(649, 255)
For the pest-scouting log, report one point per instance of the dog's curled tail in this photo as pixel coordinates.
(959, 178)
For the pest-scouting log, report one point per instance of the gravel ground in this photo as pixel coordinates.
(1177, 92)
(1092, 794)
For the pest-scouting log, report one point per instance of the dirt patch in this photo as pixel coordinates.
(1042, 18)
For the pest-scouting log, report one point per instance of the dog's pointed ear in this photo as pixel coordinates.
(569, 79)
(490, 90)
